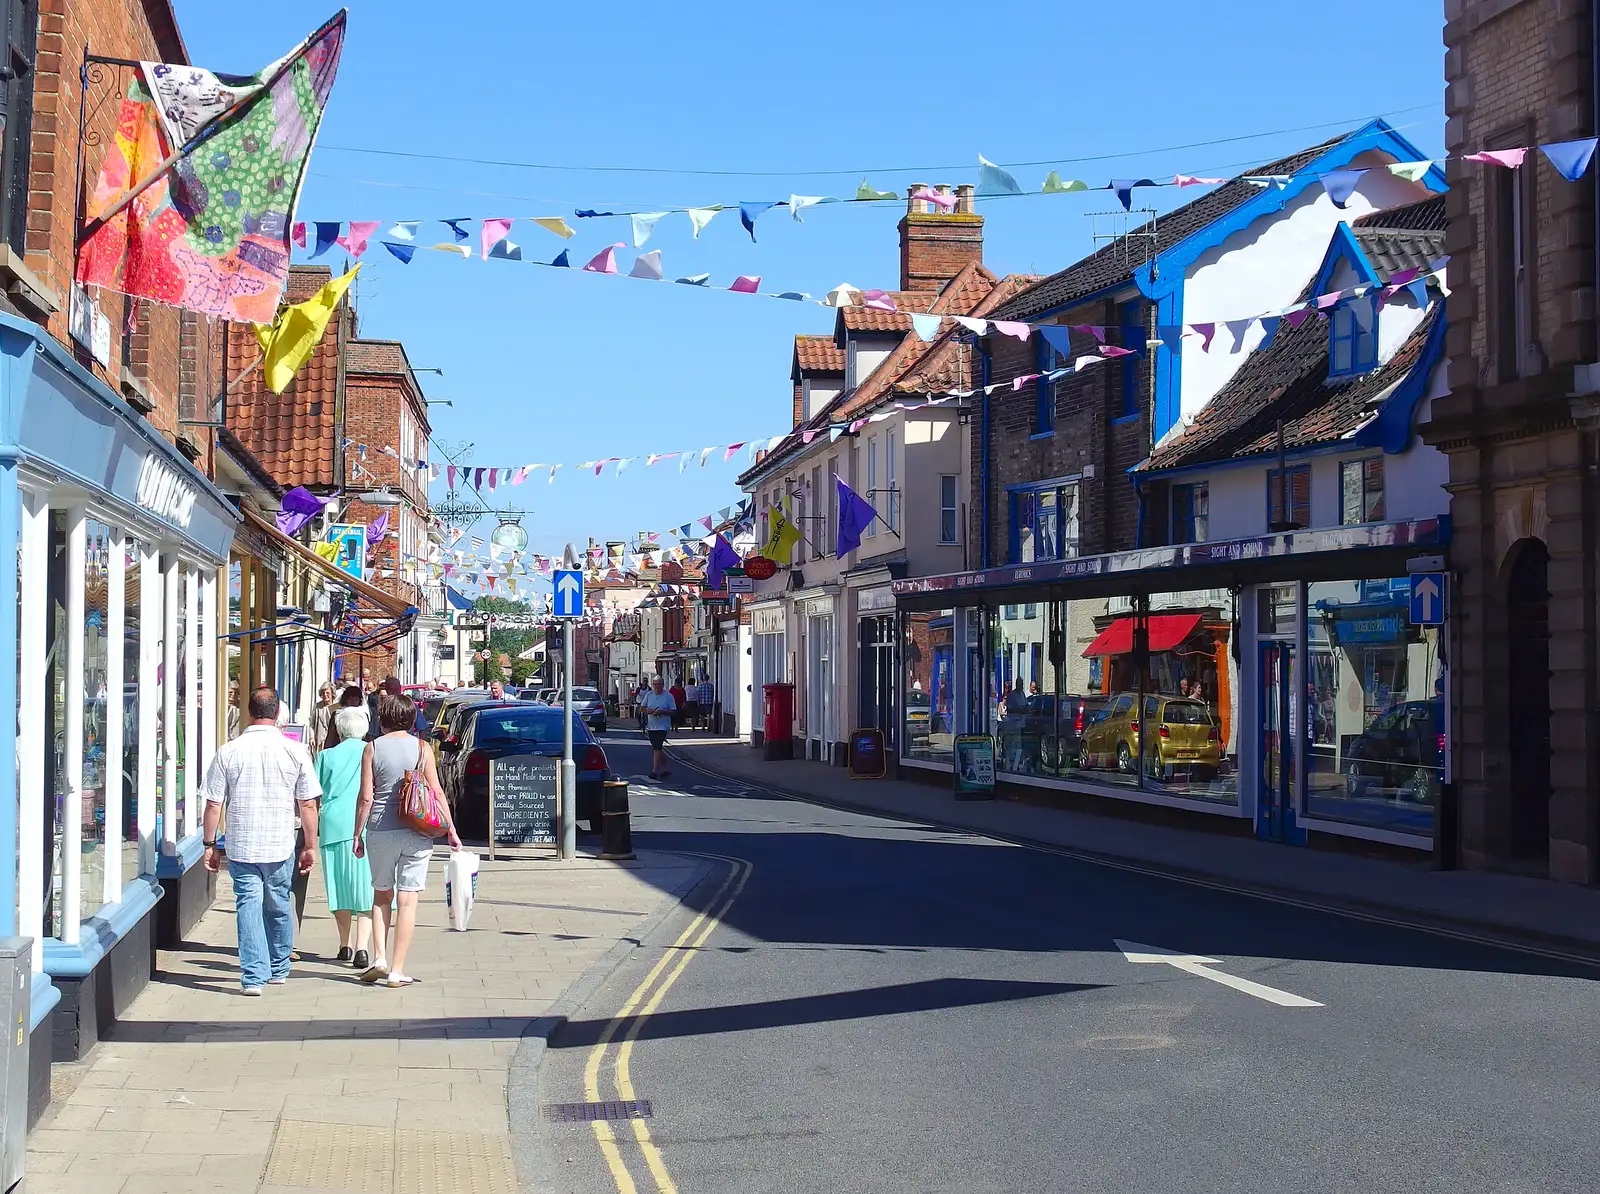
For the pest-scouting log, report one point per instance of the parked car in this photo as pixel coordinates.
(589, 705)
(1034, 742)
(445, 716)
(1401, 752)
(493, 731)
(1183, 736)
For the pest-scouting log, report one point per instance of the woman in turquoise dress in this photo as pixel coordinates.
(348, 878)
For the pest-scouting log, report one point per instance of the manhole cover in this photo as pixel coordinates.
(574, 1113)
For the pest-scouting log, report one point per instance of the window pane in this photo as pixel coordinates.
(1375, 707)
(1351, 503)
(929, 658)
(1096, 689)
(92, 806)
(1046, 544)
(1191, 725)
(1201, 497)
(1023, 713)
(1373, 495)
(127, 784)
(1069, 521)
(1023, 505)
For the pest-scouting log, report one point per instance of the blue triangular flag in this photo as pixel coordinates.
(1269, 329)
(748, 213)
(1570, 158)
(455, 226)
(1419, 291)
(1340, 185)
(798, 296)
(326, 235)
(404, 252)
(1058, 337)
(586, 213)
(1171, 335)
(562, 261)
(506, 251)
(992, 180)
(1124, 190)
(694, 279)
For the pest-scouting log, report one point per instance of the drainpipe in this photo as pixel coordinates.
(984, 456)
(1138, 493)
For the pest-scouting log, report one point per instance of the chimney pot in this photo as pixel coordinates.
(916, 207)
(964, 199)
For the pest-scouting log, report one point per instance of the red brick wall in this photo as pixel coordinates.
(119, 28)
(934, 245)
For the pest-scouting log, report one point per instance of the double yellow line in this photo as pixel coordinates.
(641, 1005)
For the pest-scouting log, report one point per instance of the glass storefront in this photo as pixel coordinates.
(1127, 691)
(928, 657)
(1374, 707)
(127, 783)
(97, 707)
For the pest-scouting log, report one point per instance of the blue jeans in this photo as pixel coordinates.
(264, 919)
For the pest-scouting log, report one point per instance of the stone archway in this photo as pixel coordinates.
(1528, 700)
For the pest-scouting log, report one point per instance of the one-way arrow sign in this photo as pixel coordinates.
(568, 594)
(1427, 598)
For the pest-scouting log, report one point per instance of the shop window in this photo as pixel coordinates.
(948, 509)
(1361, 491)
(126, 784)
(1290, 487)
(1353, 338)
(928, 656)
(97, 706)
(1509, 303)
(1044, 390)
(1044, 523)
(1191, 507)
(1374, 707)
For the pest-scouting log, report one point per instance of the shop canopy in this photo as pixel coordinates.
(1166, 632)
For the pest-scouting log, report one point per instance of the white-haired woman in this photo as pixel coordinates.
(348, 878)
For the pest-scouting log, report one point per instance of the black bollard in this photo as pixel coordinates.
(616, 828)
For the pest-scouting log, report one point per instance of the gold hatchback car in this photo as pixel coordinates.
(1183, 734)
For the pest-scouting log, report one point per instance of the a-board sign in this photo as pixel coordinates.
(522, 800)
(867, 756)
(974, 765)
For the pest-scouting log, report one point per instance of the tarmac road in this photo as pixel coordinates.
(857, 1004)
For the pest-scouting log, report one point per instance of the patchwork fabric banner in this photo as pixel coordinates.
(214, 170)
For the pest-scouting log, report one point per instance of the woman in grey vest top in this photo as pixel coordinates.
(398, 856)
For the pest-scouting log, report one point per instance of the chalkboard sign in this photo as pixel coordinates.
(867, 759)
(522, 801)
(974, 766)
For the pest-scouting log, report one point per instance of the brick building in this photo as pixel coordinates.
(1519, 428)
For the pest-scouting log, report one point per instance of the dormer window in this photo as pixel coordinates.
(1353, 338)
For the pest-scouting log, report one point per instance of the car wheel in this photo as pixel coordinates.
(1085, 760)
(1124, 759)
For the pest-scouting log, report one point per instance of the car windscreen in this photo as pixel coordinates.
(585, 694)
(518, 726)
(1186, 713)
(431, 707)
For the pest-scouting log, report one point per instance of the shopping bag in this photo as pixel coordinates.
(461, 888)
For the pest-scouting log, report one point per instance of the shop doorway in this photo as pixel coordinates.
(1528, 691)
(819, 688)
(877, 676)
(1280, 745)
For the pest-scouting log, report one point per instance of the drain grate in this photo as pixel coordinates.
(577, 1113)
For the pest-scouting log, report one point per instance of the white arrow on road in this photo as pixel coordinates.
(1201, 968)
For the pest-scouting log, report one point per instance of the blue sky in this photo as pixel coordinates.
(552, 365)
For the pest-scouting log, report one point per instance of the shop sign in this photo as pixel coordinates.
(1366, 627)
(351, 554)
(166, 495)
(974, 765)
(741, 584)
(875, 600)
(760, 567)
(767, 621)
(867, 754)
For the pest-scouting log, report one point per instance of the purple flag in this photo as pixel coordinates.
(300, 506)
(376, 529)
(855, 516)
(722, 558)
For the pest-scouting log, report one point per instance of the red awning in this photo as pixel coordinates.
(1166, 632)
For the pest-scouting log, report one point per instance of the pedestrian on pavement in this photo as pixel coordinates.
(398, 855)
(706, 697)
(659, 708)
(347, 878)
(497, 691)
(322, 720)
(638, 703)
(681, 697)
(267, 784)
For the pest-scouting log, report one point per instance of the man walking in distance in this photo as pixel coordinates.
(269, 788)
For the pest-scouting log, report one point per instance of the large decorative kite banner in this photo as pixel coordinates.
(228, 156)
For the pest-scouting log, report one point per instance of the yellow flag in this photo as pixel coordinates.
(785, 535)
(290, 341)
(328, 551)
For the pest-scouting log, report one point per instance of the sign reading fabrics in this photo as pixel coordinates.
(165, 494)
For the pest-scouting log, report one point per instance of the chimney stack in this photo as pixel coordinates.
(935, 245)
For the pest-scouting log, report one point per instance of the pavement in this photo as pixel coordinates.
(327, 1084)
(865, 1003)
(1561, 917)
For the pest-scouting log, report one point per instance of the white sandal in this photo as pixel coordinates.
(400, 980)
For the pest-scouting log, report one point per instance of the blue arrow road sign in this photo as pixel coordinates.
(569, 594)
(1427, 598)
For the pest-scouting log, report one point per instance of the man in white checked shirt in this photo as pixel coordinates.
(269, 787)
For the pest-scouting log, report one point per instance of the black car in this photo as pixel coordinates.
(1034, 741)
(493, 731)
(1400, 754)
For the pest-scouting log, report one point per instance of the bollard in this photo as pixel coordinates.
(616, 827)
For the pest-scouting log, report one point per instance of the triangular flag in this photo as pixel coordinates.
(1570, 158)
(879, 300)
(507, 250)
(748, 212)
(943, 200)
(605, 261)
(865, 194)
(1123, 189)
(1269, 331)
(463, 250)
(1020, 331)
(1410, 171)
(728, 455)
(699, 217)
(1340, 185)
(926, 326)
(1191, 180)
(290, 340)
(842, 295)
(562, 261)
(648, 266)
(798, 203)
(979, 327)
(492, 232)
(1509, 158)
(746, 285)
(1057, 337)
(555, 224)
(1237, 329)
(455, 226)
(992, 180)
(405, 230)
(299, 233)
(404, 252)
(694, 280)
(327, 234)
(1054, 185)
(644, 223)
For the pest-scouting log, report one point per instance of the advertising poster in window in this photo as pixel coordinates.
(350, 543)
(974, 766)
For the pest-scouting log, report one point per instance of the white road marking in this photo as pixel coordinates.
(1201, 967)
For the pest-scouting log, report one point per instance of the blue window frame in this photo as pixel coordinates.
(1352, 348)
(1133, 334)
(1044, 521)
(1044, 390)
(1191, 508)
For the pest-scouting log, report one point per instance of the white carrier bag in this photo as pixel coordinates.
(461, 888)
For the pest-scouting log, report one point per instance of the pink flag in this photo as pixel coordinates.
(493, 232)
(1097, 330)
(356, 239)
(728, 453)
(1111, 350)
(450, 476)
(1331, 299)
(300, 233)
(1298, 316)
(493, 476)
(744, 284)
(1409, 274)
(807, 436)
(857, 425)
(1511, 158)
(1190, 180)
(605, 261)
(1018, 382)
(1206, 331)
(1011, 328)
(878, 300)
(943, 201)
(707, 522)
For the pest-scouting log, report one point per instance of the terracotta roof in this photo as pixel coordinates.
(945, 366)
(1289, 381)
(817, 354)
(1112, 264)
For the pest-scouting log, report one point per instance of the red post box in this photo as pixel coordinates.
(777, 722)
